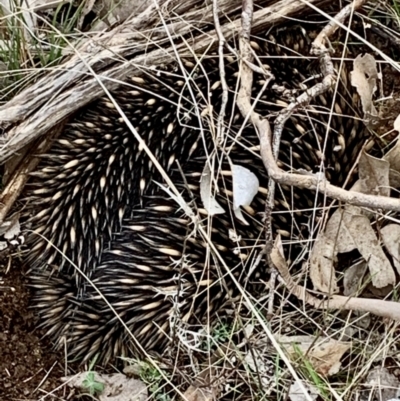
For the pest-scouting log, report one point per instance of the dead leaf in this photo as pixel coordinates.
(391, 240)
(117, 387)
(378, 307)
(385, 384)
(206, 193)
(380, 268)
(393, 157)
(245, 187)
(373, 175)
(344, 232)
(296, 392)
(194, 393)
(322, 265)
(364, 77)
(278, 258)
(11, 228)
(324, 354)
(353, 278)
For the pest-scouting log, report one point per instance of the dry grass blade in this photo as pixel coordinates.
(30, 121)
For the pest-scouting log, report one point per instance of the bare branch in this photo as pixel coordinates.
(75, 83)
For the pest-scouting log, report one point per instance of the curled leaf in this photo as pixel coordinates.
(364, 77)
(206, 193)
(245, 187)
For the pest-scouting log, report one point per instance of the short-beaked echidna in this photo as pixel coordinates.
(94, 199)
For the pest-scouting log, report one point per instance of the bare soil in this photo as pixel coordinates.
(28, 368)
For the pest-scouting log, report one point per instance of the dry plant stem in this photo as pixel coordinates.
(245, 107)
(269, 204)
(65, 89)
(332, 27)
(221, 41)
(388, 309)
(319, 49)
(271, 297)
(312, 181)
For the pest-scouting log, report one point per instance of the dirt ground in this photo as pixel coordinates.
(28, 368)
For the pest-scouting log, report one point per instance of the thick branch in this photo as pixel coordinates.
(314, 182)
(72, 85)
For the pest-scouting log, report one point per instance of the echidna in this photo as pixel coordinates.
(94, 200)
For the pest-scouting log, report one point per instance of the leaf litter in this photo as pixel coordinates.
(349, 228)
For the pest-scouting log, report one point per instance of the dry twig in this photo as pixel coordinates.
(315, 181)
(74, 84)
(245, 107)
(388, 309)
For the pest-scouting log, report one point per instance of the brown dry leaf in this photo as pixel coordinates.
(353, 277)
(336, 230)
(11, 227)
(349, 228)
(277, 254)
(117, 387)
(391, 240)
(322, 261)
(373, 175)
(324, 354)
(346, 231)
(393, 157)
(381, 270)
(194, 393)
(336, 239)
(384, 384)
(378, 307)
(364, 77)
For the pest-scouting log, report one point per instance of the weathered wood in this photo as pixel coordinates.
(113, 57)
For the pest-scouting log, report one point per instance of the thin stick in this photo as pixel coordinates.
(244, 104)
(221, 41)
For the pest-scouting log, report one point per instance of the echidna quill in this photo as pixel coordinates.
(94, 201)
